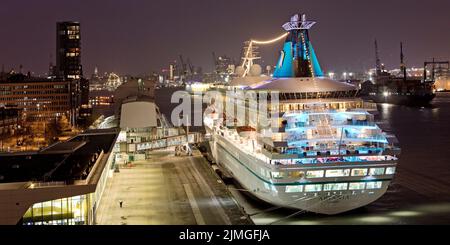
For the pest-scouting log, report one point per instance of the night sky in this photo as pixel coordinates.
(140, 36)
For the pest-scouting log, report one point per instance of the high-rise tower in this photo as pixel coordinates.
(68, 50)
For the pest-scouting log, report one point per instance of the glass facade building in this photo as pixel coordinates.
(65, 211)
(75, 210)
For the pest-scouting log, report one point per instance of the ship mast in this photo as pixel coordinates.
(402, 63)
(250, 54)
(251, 51)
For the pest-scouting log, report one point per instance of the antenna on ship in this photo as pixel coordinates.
(250, 53)
(402, 63)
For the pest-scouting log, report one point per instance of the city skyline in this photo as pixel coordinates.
(139, 37)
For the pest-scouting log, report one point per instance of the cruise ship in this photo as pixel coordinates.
(323, 151)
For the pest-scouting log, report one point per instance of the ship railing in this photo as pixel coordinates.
(335, 152)
(301, 141)
(299, 125)
(299, 162)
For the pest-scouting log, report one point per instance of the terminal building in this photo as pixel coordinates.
(61, 184)
(143, 127)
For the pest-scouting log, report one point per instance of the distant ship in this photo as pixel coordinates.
(402, 90)
(325, 154)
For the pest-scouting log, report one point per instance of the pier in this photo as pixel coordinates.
(167, 189)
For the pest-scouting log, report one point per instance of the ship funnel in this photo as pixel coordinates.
(298, 58)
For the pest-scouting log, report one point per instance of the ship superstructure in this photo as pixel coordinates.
(322, 150)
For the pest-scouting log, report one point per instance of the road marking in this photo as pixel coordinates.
(197, 214)
(205, 187)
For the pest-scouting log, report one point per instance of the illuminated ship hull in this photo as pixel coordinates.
(322, 151)
(327, 193)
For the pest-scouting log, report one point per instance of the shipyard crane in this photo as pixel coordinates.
(183, 66)
(191, 67)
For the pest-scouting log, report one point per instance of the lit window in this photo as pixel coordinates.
(277, 175)
(335, 187)
(315, 174)
(357, 186)
(313, 188)
(376, 171)
(294, 188)
(374, 185)
(390, 170)
(359, 172)
(296, 174)
(337, 172)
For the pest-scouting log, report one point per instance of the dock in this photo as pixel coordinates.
(169, 190)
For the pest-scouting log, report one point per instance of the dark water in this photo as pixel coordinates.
(420, 192)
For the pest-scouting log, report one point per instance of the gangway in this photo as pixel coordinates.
(161, 143)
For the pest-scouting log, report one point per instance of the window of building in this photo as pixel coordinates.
(313, 188)
(390, 170)
(359, 172)
(337, 172)
(296, 174)
(315, 174)
(278, 175)
(294, 188)
(65, 211)
(374, 185)
(357, 186)
(376, 171)
(335, 187)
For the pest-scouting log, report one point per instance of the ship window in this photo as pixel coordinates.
(357, 186)
(337, 172)
(390, 170)
(376, 171)
(294, 188)
(315, 174)
(335, 187)
(374, 185)
(359, 172)
(278, 175)
(313, 188)
(296, 174)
